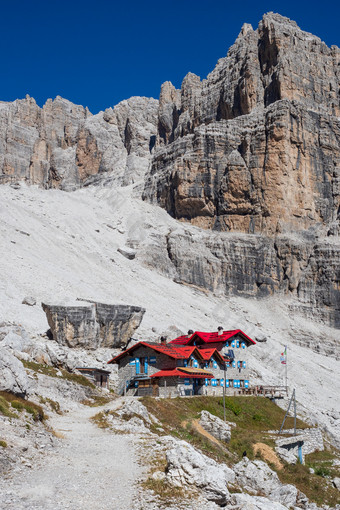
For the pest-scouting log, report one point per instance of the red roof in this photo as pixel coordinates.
(170, 350)
(207, 338)
(181, 340)
(207, 354)
(176, 372)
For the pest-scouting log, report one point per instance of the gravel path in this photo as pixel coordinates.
(92, 468)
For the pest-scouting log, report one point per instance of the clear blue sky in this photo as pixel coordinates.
(97, 52)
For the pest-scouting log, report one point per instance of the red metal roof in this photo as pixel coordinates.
(207, 338)
(176, 372)
(181, 340)
(207, 354)
(170, 350)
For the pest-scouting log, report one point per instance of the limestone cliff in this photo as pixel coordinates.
(256, 146)
(64, 146)
(251, 154)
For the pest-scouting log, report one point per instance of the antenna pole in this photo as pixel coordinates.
(294, 413)
(290, 402)
(286, 370)
(224, 385)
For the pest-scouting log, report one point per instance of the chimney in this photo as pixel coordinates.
(190, 332)
(163, 340)
(220, 330)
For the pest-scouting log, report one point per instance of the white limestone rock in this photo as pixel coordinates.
(248, 502)
(336, 482)
(13, 377)
(14, 341)
(216, 427)
(29, 300)
(256, 476)
(133, 408)
(127, 252)
(187, 466)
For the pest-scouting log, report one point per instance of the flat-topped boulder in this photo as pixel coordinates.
(92, 325)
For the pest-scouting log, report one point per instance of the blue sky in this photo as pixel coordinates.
(100, 52)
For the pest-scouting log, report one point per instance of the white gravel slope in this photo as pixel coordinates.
(59, 246)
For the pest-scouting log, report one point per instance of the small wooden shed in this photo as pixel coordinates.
(97, 376)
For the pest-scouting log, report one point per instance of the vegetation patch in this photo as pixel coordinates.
(160, 487)
(254, 418)
(53, 372)
(3, 444)
(317, 486)
(5, 408)
(55, 406)
(100, 419)
(8, 401)
(98, 400)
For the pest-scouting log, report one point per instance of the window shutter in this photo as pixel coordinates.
(137, 366)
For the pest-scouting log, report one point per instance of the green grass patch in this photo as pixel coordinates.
(3, 444)
(5, 408)
(8, 401)
(53, 372)
(317, 486)
(254, 417)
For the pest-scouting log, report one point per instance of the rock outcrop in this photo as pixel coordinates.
(253, 151)
(93, 325)
(256, 146)
(187, 466)
(63, 145)
(306, 268)
(13, 377)
(257, 477)
(216, 427)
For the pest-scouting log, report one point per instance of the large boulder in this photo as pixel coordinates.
(216, 427)
(13, 377)
(256, 476)
(187, 467)
(91, 325)
(133, 408)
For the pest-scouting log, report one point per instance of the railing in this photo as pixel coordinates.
(265, 391)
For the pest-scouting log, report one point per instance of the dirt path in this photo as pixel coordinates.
(92, 468)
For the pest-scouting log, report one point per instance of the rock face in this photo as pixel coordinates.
(256, 146)
(93, 325)
(251, 154)
(186, 466)
(64, 146)
(216, 427)
(13, 377)
(256, 476)
(305, 268)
